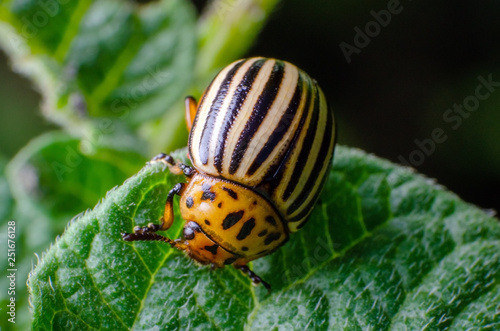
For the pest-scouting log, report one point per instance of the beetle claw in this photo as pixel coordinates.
(163, 158)
(256, 280)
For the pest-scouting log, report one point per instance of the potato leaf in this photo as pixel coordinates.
(384, 249)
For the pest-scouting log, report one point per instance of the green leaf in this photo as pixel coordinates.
(5, 195)
(384, 249)
(124, 62)
(52, 180)
(95, 59)
(227, 30)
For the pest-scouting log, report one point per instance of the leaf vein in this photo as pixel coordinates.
(71, 30)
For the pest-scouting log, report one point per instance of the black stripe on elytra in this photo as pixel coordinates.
(195, 121)
(215, 107)
(212, 249)
(320, 162)
(307, 209)
(275, 173)
(246, 229)
(302, 216)
(280, 130)
(259, 112)
(240, 94)
(231, 219)
(305, 148)
(272, 237)
(231, 193)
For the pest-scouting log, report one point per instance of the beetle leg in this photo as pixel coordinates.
(191, 108)
(168, 161)
(148, 232)
(174, 167)
(256, 280)
(140, 235)
(168, 215)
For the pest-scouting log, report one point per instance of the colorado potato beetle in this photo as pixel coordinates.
(261, 142)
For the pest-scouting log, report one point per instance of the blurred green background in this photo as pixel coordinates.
(395, 91)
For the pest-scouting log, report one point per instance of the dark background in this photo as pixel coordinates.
(394, 92)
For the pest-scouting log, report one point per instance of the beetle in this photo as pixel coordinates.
(261, 143)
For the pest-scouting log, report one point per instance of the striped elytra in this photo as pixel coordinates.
(265, 124)
(261, 143)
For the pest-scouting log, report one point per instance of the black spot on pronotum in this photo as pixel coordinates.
(189, 202)
(272, 237)
(271, 220)
(246, 229)
(230, 260)
(231, 193)
(231, 219)
(212, 249)
(207, 222)
(219, 205)
(262, 233)
(244, 248)
(207, 194)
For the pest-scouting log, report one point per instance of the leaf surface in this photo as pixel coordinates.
(46, 184)
(384, 249)
(102, 59)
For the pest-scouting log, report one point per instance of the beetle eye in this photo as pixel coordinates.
(188, 233)
(189, 230)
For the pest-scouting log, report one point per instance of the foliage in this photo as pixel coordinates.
(383, 249)
(113, 75)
